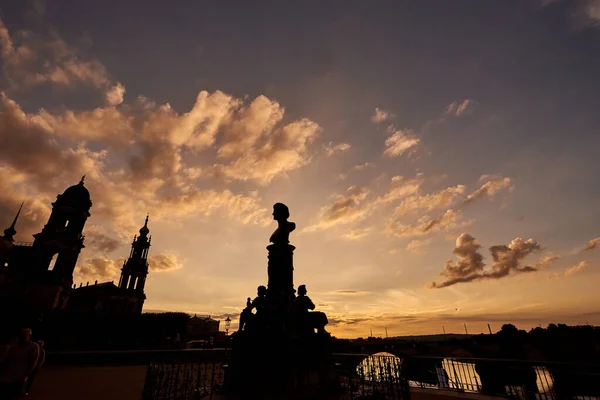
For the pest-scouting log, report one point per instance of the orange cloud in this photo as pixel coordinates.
(490, 188)
(399, 142)
(583, 265)
(442, 199)
(332, 149)
(346, 208)
(164, 262)
(381, 115)
(592, 244)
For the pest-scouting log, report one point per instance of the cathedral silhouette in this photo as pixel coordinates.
(36, 277)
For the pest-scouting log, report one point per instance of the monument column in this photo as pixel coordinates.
(281, 270)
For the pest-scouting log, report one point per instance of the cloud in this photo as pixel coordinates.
(583, 265)
(283, 150)
(137, 163)
(459, 108)
(346, 208)
(102, 269)
(97, 239)
(507, 259)
(362, 167)
(30, 59)
(381, 115)
(401, 187)
(399, 142)
(253, 123)
(114, 96)
(442, 199)
(98, 268)
(592, 244)
(351, 292)
(545, 261)
(417, 246)
(469, 266)
(490, 188)
(249, 139)
(356, 234)
(164, 262)
(331, 149)
(425, 225)
(573, 270)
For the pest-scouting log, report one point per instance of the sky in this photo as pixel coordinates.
(439, 158)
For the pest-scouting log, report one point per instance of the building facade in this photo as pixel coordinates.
(36, 278)
(125, 298)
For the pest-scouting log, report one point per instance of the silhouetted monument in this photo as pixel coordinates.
(281, 349)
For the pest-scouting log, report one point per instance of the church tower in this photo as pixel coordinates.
(6, 241)
(58, 245)
(10, 232)
(135, 269)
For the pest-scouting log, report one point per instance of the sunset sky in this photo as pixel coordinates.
(440, 158)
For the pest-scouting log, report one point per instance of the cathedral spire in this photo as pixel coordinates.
(135, 269)
(10, 232)
(82, 180)
(144, 231)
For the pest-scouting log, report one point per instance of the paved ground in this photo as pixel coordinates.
(89, 383)
(126, 383)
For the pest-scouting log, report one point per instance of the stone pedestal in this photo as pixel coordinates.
(275, 366)
(281, 271)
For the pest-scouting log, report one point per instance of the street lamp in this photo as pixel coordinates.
(227, 325)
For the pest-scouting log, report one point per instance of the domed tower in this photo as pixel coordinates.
(58, 245)
(135, 269)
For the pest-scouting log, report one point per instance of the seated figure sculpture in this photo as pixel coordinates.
(259, 300)
(307, 320)
(246, 315)
(249, 321)
(281, 213)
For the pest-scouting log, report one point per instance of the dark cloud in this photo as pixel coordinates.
(99, 268)
(470, 266)
(102, 243)
(31, 59)
(340, 320)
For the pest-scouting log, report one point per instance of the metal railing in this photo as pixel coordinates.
(515, 379)
(388, 377)
(181, 381)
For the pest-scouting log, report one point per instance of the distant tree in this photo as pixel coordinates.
(509, 329)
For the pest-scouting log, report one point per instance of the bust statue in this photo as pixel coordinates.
(281, 213)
